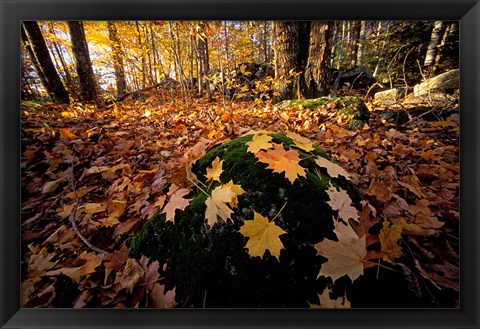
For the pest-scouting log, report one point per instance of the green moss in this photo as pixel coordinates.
(353, 109)
(216, 263)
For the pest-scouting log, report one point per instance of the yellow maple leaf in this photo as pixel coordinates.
(67, 134)
(214, 172)
(346, 256)
(217, 204)
(389, 237)
(263, 235)
(339, 200)
(332, 168)
(301, 142)
(259, 142)
(177, 201)
(284, 161)
(238, 190)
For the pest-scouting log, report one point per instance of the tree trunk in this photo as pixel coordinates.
(317, 72)
(450, 29)
(437, 32)
(361, 44)
(202, 47)
(33, 39)
(356, 27)
(291, 54)
(88, 91)
(117, 59)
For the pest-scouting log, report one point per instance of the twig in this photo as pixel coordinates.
(205, 299)
(278, 213)
(74, 224)
(380, 265)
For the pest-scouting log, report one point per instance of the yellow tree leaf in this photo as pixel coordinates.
(214, 172)
(177, 201)
(333, 169)
(263, 235)
(389, 237)
(346, 256)
(339, 200)
(259, 142)
(217, 204)
(284, 161)
(301, 142)
(238, 190)
(93, 208)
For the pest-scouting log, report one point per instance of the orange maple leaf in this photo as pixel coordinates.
(281, 160)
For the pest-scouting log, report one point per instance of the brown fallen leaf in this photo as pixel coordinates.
(177, 201)
(131, 275)
(345, 256)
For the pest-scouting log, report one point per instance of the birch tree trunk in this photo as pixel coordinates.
(437, 33)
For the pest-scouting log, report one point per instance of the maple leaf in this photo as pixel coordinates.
(327, 302)
(281, 160)
(214, 172)
(177, 201)
(259, 142)
(340, 200)
(151, 275)
(365, 220)
(389, 237)
(238, 190)
(161, 298)
(263, 235)
(332, 168)
(76, 273)
(300, 141)
(131, 275)
(346, 256)
(217, 204)
(380, 190)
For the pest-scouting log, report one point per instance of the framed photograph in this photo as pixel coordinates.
(239, 164)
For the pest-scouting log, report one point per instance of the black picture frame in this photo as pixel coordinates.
(12, 12)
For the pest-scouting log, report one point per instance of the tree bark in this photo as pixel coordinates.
(317, 72)
(356, 27)
(202, 47)
(88, 89)
(117, 59)
(437, 32)
(291, 55)
(361, 43)
(33, 39)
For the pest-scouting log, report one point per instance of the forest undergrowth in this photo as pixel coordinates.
(91, 175)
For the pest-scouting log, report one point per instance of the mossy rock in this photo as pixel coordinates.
(352, 110)
(211, 267)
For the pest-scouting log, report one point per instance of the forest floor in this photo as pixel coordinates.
(110, 168)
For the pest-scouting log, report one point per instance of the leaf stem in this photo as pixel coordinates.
(278, 213)
(198, 186)
(378, 264)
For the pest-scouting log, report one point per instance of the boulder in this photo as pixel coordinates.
(391, 96)
(350, 110)
(441, 90)
(214, 266)
(358, 77)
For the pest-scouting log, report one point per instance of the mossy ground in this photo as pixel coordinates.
(212, 268)
(352, 109)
